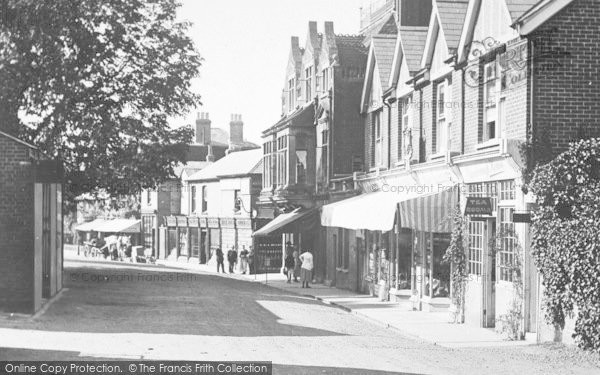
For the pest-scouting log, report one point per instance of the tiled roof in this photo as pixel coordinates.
(413, 43)
(383, 47)
(452, 17)
(350, 48)
(234, 164)
(389, 27)
(518, 7)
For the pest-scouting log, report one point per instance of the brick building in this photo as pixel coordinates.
(172, 198)
(31, 243)
(311, 153)
(492, 76)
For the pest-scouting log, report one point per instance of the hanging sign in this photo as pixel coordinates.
(521, 217)
(479, 206)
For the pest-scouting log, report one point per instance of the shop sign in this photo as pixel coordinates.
(229, 223)
(521, 217)
(242, 223)
(202, 221)
(171, 221)
(481, 206)
(192, 221)
(181, 221)
(213, 222)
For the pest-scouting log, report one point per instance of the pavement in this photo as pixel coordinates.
(433, 327)
(116, 310)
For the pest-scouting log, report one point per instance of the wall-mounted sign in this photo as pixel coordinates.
(213, 222)
(521, 217)
(478, 206)
(181, 221)
(202, 221)
(171, 221)
(192, 221)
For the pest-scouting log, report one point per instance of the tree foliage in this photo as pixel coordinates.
(566, 238)
(94, 82)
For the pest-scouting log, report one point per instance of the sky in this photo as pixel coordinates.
(245, 46)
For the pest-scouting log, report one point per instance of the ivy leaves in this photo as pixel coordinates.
(566, 238)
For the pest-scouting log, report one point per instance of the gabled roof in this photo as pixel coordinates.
(239, 163)
(389, 26)
(452, 17)
(413, 40)
(517, 8)
(538, 14)
(383, 50)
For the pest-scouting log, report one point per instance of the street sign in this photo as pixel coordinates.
(521, 217)
(481, 206)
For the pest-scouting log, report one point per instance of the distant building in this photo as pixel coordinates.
(31, 238)
(171, 198)
(218, 209)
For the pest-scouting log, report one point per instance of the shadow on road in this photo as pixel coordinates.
(135, 299)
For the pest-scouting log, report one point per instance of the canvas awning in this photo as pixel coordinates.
(112, 226)
(420, 210)
(285, 223)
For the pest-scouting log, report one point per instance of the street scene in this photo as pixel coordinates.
(300, 187)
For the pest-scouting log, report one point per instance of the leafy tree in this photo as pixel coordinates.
(94, 82)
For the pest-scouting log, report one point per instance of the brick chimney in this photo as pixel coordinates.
(236, 130)
(203, 129)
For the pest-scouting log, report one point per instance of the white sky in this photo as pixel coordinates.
(245, 45)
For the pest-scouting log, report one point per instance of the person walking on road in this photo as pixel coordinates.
(220, 260)
(232, 259)
(307, 266)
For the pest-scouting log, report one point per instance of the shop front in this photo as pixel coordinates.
(404, 228)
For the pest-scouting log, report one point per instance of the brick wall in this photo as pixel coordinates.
(16, 228)
(567, 81)
(348, 137)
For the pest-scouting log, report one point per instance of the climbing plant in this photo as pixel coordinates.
(456, 256)
(510, 323)
(566, 239)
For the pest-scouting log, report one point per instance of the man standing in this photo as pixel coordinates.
(231, 258)
(220, 260)
(307, 266)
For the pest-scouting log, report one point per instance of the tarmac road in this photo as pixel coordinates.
(119, 311)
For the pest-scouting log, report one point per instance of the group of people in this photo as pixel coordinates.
(298, 265)
(245, 260)
(115, 247)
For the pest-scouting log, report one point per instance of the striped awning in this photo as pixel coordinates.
(419, 210)
(431, 213)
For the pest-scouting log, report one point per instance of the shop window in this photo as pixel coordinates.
(507, 190)
(172, 241)
(337, 250)
(148, 231)
(476, 243)
(195, 242)
(183, 242)
(507, 240)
